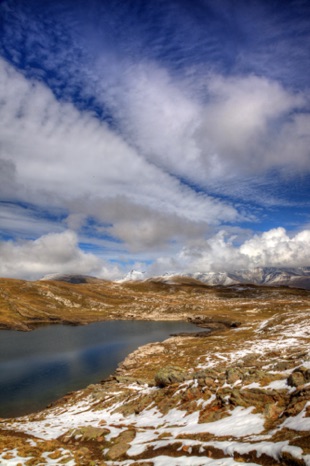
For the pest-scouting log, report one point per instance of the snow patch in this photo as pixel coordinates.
(299, 422)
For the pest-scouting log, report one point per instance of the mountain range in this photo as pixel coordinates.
(267, 276)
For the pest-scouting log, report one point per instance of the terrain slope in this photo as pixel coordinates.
(240, 394)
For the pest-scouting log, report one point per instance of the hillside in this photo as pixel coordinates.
(24, 304)
(238, 395)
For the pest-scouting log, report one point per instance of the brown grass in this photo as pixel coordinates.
(24, 305)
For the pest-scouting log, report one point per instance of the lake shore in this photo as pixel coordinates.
(240, 395)
(26, 305)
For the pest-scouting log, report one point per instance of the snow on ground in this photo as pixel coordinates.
(240, 422)
(299, 422)
(239, 432)
(183, 461)
(283, 338)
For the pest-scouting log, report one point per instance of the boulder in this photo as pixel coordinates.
(296, 379)
(233, 375)
(170, 374)
(121, 445)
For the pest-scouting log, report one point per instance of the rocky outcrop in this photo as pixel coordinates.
(299, 376)
(215, 323)
(170, 374)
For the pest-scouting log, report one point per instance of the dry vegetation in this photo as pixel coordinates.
(145, 411)
(24, 305)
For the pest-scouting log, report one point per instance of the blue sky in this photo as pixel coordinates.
(164, 136)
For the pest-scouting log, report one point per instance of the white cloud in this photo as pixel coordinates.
(235, 127)
(151, 233)
(59, 252)
(57, 156)
(242, 123)
(25, 222)
(158, 117)
(51, 253)
(274, 248)
(137, 182)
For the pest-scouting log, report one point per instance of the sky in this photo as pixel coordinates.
(161, 136)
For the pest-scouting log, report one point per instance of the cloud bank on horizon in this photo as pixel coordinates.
(166, 135)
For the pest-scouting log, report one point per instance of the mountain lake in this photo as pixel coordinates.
(38, 367)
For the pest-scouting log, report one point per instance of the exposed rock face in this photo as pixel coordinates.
(239, 395)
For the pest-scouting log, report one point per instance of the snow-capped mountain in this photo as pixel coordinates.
(294, 277)
(268, 276)
(133, 276)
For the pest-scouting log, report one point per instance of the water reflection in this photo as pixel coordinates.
(40, 366)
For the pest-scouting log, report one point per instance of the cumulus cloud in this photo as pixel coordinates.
(277, 248)
(60, 252)
(274, 248)
(51, 253)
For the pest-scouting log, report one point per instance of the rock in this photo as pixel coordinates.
(272, 411)
(282, 365)
(298, 401)
(256, 375)
(199, 375)
(257, 397)
(170, 374)
(305, 372)
(213, 322)
(296, 379)
(289, 459)
(142, 463)
(126, 380)
(87, 433)
(117, 451)
(233, 375)
(121, 445)
(251, 360)
(209, 382)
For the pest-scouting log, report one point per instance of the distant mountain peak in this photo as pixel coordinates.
(133, 276)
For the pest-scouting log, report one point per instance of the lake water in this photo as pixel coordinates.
(41, 366)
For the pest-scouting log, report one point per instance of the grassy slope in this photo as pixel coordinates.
(26, 304)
